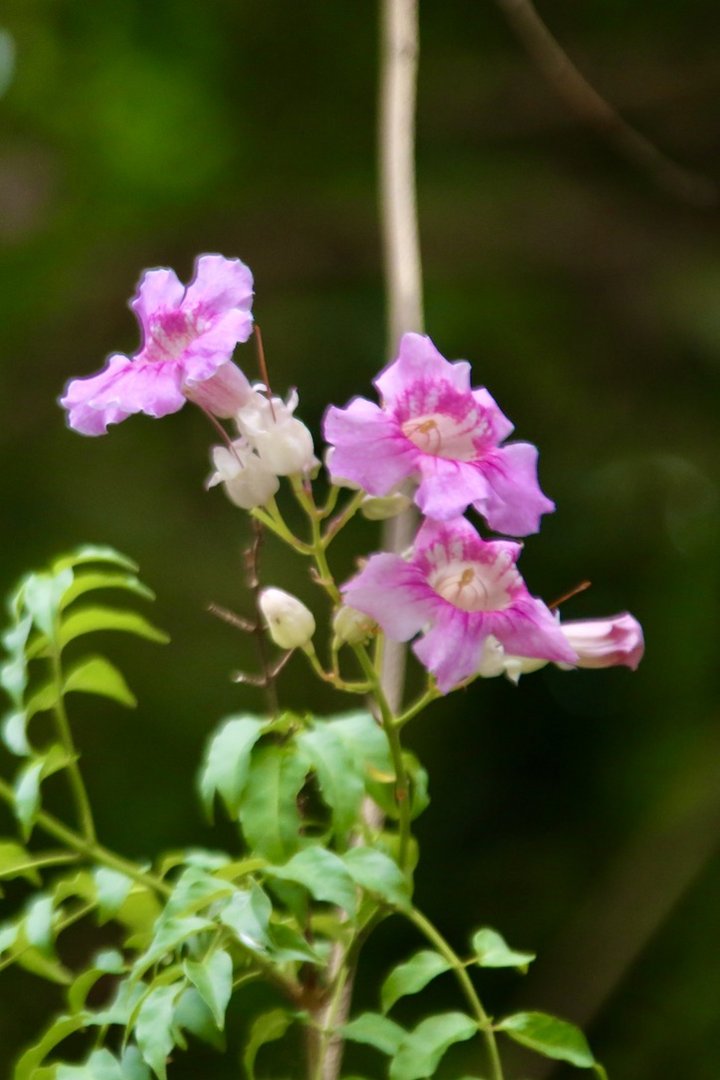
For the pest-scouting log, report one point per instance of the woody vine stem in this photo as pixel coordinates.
(397, 96)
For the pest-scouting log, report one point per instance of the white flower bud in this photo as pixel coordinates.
(290, 624)
(351, 627)
(247, 481)
(284, 443)
(381, 507)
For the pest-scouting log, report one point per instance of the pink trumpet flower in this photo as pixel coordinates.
(434, 428)
(457, 590)
(189, 335)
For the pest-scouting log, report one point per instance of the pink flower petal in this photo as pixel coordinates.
(514, 502)
(220, 284)
(369, 450)
(394, 593)
(451, 651)
(418, 359)
(447, 486)
(159, 290)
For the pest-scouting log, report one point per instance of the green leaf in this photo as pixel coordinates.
(420, 1051)
(286, 944)
(374, 1029)
(43, 700)
(88, 620)
(365, 739)
(227, 761)
(13, 678)
(269, 1027)
(549, 1036)
(101, 1065)
(193, 1015)
(27, 796)
(109, 962)
(41, 596)
(14, 733)
(268, 811)
(323, 874)
(90, 553)
(194, 890)
(153, 1027)
(96, 675)
(339, 775)
(98, 579)
(15, 861)
(247, 914)
(38, 924)
(60, 1029)
(492, 951)
(412, 976)
(378, 874)
(15, 638)
(169, 934)
(212, 978)
(112, 889)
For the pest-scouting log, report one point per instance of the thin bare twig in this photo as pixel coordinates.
(577, 93)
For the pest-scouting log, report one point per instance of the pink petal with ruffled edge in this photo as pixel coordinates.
(418, 360)
(218, 285)
(514, 502)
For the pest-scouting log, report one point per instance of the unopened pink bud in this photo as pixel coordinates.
(601, 643)
(223, 393)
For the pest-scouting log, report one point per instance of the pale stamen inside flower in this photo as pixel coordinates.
(473, 586)
(447, 436)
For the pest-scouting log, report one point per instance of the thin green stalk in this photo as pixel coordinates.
(62, 724)
(80, 797)
(91, 850)
(272, 519)
(392, 733)
(430, 695)
(434, 936)
(338, 523)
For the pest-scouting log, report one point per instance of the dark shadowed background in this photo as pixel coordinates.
(580, 813)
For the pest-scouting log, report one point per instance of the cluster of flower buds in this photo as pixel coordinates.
(271, 443)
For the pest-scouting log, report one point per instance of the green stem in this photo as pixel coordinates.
(434, 936)
(430, 695)
(90, 849)
(271, 518)
(333, 677)
(342, 518)
(392, 734)
(77, 784)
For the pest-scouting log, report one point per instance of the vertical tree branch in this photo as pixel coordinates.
(400, 47)
(399, 51)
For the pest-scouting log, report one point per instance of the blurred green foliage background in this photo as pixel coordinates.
(580, 813)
